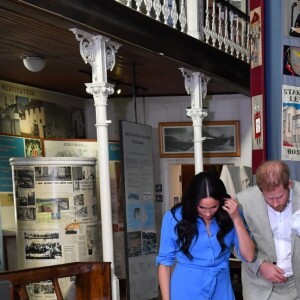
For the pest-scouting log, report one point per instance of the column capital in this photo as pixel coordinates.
(197, 115)
(100, 92)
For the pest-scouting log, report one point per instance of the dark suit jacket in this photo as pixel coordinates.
(256, 217)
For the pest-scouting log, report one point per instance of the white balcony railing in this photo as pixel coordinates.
(215, 22)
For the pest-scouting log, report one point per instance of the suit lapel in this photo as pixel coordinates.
(296, 197)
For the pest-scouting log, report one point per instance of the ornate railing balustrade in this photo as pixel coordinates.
(215, 22)
(227, 28)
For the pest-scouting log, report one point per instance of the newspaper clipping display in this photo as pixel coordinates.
(89, 148)
(56, 217)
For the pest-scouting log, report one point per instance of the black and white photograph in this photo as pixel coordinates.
(25, 213)
(79, 200)
(88, 172)
(134, 244)
(77, 173)
(45, 287)
(26, 197)
(56, 173)
(221, 139)
(76, 185)
(24, 178)
(42, 246)
(81, 212)
(149, 242)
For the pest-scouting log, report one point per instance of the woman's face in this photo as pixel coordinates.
(207, 207)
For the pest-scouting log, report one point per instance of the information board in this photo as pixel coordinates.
(140, 233)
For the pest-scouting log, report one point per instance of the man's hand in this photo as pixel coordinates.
(271, 272)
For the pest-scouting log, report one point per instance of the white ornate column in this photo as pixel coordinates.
(196, 86)
(194, 18)
(99, 52)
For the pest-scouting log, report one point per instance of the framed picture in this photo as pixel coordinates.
(222, 139)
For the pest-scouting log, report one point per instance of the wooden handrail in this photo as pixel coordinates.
(93, 280)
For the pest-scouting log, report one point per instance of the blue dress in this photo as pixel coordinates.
(207, 275)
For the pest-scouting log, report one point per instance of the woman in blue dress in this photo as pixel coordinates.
(198, 235)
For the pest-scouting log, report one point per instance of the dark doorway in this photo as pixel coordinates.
(188, 171)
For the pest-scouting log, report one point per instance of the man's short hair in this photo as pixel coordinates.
(272, 174)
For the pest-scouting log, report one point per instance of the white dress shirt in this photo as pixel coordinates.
(281, 228)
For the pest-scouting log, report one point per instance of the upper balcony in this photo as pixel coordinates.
(215, 22)
(157, 38)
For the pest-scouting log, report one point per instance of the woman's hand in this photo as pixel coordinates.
(232, 209)
(246, 244)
